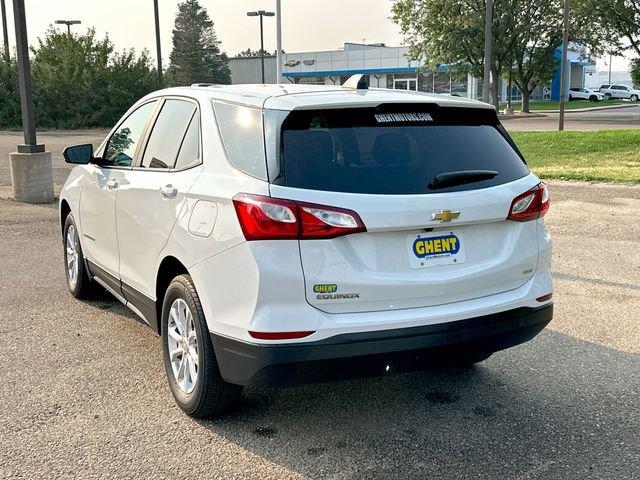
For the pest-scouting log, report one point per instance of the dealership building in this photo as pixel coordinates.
(387, 67)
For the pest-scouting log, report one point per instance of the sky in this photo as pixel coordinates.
(307, 25)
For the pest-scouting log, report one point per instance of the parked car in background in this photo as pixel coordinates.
(577, 93)
(285, 234)
(620, 91)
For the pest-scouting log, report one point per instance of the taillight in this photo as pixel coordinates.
(268, 218)
(531, 205)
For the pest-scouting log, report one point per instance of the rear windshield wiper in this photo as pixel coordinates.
(461, 177)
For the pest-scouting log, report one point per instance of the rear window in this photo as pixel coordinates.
(394, 149)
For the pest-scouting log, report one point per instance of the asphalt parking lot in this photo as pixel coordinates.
(84, 394)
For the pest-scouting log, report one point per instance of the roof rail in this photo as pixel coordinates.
(204, 85)
(357, 82)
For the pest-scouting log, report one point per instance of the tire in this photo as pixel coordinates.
(570, 97)
(634, 98)
(182, 317)
(593, 98)
(78, 281)
(607, 96)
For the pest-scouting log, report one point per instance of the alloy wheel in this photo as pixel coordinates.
(183, 346)
(72, 256)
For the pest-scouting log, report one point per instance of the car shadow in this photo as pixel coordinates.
(546, 409)
(104, 300)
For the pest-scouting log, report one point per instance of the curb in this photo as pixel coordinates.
(590, 109)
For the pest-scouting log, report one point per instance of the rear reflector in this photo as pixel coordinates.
(279, 335)
(268, 218)
(530, 205)
(544, 298)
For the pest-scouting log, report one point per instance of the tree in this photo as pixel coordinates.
(79, 81)
(255, 53)
(617, 19)
(525, 35)
(635, 72)
(196, 55)
(451, 32)
(536, 37)
(10, 113)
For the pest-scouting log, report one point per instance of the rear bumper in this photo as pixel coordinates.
(370, 353)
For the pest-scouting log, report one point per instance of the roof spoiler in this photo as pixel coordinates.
(357, 82)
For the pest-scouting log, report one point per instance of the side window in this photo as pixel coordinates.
(242, 136)
(123, 143)
(167, 134)
(190, 149)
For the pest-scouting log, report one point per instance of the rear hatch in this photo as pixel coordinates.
(433, 187)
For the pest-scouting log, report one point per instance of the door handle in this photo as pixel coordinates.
(112, 184)
(168, 191)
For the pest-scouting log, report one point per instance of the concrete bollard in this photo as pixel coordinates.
(32, 177)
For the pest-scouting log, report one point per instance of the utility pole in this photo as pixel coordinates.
(31, 169)
(68, 23)
(159, 52)
(563, 72)
(278, 42)
(5, 33)
(487, 51)
(610, 60)
(261, 13)
(24, 77)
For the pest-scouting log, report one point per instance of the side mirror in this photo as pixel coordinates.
(78, 154)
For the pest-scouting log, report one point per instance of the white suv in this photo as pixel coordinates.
(285, 234)
(620, 91)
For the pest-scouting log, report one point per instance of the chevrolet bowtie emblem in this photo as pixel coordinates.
(445, 215)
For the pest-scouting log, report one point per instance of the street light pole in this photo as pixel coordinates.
(261, 13)
(31, 169)
(5, 33)
(159, 53)
(488, 18)
(24, 78)
(262, 48)
(68, 23)
(563, 71)
(278, 41)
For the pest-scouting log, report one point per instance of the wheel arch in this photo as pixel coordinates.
(169, 268)
(65, 210)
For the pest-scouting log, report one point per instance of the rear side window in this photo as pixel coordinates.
(243, 137)
(394, 149)
(167, 134)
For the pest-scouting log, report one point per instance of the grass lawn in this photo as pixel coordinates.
(534, 106)
(603, 156)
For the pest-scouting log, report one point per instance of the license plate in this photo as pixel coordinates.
(430, 250)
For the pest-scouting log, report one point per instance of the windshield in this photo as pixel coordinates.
(394, 149)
